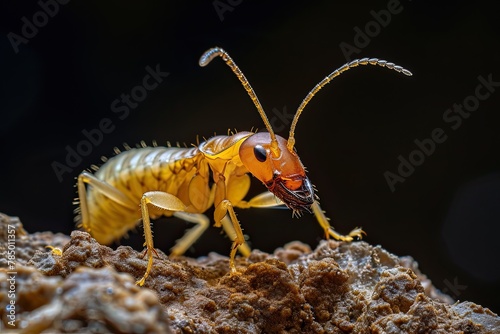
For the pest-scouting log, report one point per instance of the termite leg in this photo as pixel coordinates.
(265, 200)
(268, 200)
(160, 200)
(192, 234)
(55, 250)
(329, 231)
(104, 188)
(231, 225)
(223, 208)
(231, 233)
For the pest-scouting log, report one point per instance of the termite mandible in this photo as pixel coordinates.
(175, 181)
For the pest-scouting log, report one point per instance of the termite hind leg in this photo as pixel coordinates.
(192, 234)
(160, 200)
(223, 208)
(329, 231)
(102, 187)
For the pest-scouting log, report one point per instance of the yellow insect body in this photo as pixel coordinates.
(182, 172)
(133, 173)
(149, 182)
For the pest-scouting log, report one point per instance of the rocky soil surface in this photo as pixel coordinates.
(336, 288)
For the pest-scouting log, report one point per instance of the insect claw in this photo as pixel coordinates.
(146, 251)
(358, 233)
(55, 250)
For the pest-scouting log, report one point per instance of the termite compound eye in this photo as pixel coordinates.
(260, 153)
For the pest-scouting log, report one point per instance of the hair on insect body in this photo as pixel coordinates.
(186, 181)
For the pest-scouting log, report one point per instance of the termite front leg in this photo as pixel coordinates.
(269, 200)
(221, 210)
(224, 207)
(159, 200)
(227, 225)
(264, 200)
(329, 231)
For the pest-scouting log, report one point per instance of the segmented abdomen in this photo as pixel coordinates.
(135, 172)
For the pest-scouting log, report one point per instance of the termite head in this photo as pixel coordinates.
(280, 170)
(273, 159)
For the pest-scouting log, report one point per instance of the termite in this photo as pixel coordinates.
(175, 181)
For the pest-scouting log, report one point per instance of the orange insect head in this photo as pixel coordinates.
(283, 174)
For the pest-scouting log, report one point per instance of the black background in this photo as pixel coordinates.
(446, 214)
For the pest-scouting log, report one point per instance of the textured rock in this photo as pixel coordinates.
(337, 288)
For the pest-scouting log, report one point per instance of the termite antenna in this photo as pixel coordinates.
(212, 53)
(337, 72)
